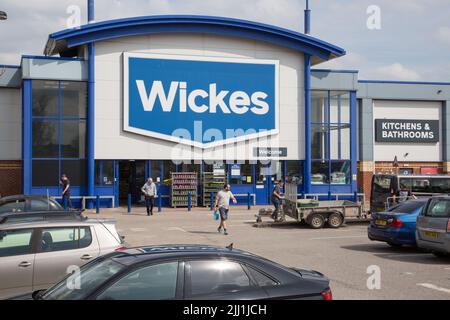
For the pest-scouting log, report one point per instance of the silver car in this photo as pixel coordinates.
(36, 255)
(433, 226)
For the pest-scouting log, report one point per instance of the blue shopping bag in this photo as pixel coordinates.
(216, 215)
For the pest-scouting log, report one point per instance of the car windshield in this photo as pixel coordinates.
(91, 275)
(407, 207)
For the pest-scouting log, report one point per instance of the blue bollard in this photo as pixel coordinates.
(211, 201)
(329, 195)
(129, 202)
(159, 202)
(65, 203)
(248, 200)
(97, 204)
(355, 196)
(189, 201)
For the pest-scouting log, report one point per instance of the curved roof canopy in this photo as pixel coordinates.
(64, 42)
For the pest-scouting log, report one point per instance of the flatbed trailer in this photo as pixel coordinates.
(318, 213)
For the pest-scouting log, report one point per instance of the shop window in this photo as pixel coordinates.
(75, 171)
(104, 172)
(319, 106)
(345, 108)
(294, 171)
(320, 172)
(340, 172)
(45, 173)
(169, 166)
(73, 139)
(156, 170)
(73, 99)
(45, 139)
(241, 173)
(318, 141)
(345, 142)
(45, 98)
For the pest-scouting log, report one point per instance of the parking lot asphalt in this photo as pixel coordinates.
(344, 255)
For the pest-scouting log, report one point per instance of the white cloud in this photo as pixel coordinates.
(395, 71)
(443, 35)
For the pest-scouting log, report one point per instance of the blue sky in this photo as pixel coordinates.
(412, 44)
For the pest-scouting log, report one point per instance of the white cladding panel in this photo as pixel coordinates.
(10, 124)
(408, 110)
(111, 142)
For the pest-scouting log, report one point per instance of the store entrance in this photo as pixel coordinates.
(131, 179)
(267, 173)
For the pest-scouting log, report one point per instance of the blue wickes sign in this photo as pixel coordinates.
(200, 101)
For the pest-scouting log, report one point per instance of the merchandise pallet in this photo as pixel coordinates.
(211, 183)
(182, 184)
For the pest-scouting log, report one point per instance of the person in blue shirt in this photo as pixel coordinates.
(276, 198)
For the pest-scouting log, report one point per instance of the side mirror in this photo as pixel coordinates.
(2, 234)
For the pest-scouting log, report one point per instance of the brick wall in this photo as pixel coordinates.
(10, 177)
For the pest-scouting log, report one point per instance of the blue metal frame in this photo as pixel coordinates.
(111, 29)
(307, 165)
(26, 135)
(353, 139)
(90, 155)
(406, 82)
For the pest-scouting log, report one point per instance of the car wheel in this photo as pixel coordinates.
(335, 220)
(394, 245)
(316, 221)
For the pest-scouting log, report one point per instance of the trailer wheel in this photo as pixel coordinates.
(335, 220)
(316, 221)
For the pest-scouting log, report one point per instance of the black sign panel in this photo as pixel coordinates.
(410, 131)
(270, 152)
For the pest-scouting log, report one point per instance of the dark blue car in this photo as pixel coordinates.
(397, 225)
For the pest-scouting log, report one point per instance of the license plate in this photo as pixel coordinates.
(431, 234)
(380, 222)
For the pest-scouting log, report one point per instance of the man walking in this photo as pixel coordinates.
(222, 204)
(65, 183)
(149, 190)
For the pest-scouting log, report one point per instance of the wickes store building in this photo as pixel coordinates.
(112, 103)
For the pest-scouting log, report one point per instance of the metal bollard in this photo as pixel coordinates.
(211, 201)
(65, 203)
(159, 202)
(248, 200)
(355, 196)
(97, 204)
(189, 201)
(329, 195)
(129, 202)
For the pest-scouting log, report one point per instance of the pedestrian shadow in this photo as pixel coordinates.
(406, 254)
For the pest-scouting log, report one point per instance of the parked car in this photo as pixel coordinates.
(36, 254)
(13, 217)
(22, 203)
(433, 226)
(189, 272)
(397, 225)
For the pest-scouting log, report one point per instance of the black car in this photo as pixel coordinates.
(188, 272)
(23, 203)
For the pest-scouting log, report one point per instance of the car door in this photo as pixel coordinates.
(155, 281)
(16, 262)
(432, 222)
(60, 250)
(219, 279)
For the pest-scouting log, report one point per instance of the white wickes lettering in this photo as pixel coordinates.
(239, 102)
(157, 90)
(217, 99)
